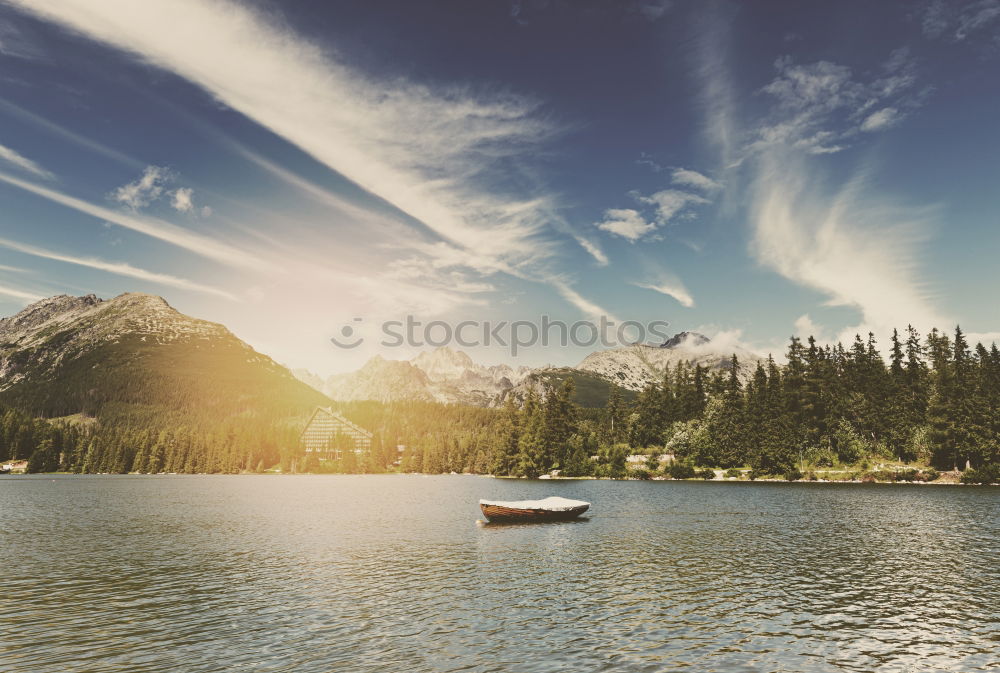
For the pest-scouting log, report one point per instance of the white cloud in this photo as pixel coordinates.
(592, 249)
(430, 151)
(625, 222)
(119, 268)
(206, 211)
(985, 338)
(15, 42)
(147, 188)
(652, 9)
(18, 293)
(858, 250)
(721, 340)
(670, 202)
(424, 150)
(64, 133)
(822, 85)
(881, 119)
(712, 41)
(585, 306)
(959, 20)
(15, 159)
(150, 226)
(820, 107)
(979, 15)
(673, 289)
(805, 327)
(689, 178)
(181, 200)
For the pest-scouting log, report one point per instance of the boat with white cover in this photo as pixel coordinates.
(552, 508)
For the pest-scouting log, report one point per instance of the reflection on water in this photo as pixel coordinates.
(392, 573)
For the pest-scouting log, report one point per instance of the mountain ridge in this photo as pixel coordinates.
(452, 376)
(65, 355)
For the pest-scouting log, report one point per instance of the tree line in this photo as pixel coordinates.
(933, 400)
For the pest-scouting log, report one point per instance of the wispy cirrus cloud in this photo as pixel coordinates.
(20, 294)
(432, 152)
(21, 162)
(66, 134)
(15, 42)
(199, 244)
(671, 287)
(689, 178)
(118, 268)
(585, 306)
(858, 249)
(592, 249)
(882, 119)
(958, 20)
(819, 108)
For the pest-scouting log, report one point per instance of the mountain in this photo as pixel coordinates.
(592, 391)
(636, 366)
(446, 375)
(441, 375)
(381, 380)
(135, 356)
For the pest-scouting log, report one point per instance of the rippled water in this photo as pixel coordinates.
(392, 573)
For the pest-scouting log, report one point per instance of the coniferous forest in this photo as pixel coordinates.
(933, 402)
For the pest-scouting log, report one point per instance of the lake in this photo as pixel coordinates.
(392, 573)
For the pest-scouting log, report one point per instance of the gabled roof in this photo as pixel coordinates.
(330, 412)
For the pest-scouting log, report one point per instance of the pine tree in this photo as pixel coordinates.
(647, 430)
(531, 443)
(614, 417)
(508, 435)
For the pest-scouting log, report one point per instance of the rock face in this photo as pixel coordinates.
(634, 367)
(58, 329)
(64, 353)
(381, 380)
(445, 375)
(685, 339)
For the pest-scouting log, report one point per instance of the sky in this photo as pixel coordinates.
(751, 171)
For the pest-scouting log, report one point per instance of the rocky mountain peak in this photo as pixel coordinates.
(685, 339)
(35, 315)
(444, 363)
(63, 323)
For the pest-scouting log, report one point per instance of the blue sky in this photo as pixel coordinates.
(749, 170)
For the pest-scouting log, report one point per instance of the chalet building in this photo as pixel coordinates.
(14, 467)
(328, 435)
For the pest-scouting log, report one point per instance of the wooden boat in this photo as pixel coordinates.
(550, 509)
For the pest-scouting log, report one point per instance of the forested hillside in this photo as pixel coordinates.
(158, 391)
(936, 401)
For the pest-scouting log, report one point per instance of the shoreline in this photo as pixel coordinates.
(768, 480)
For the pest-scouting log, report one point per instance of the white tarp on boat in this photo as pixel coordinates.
(550, 504)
